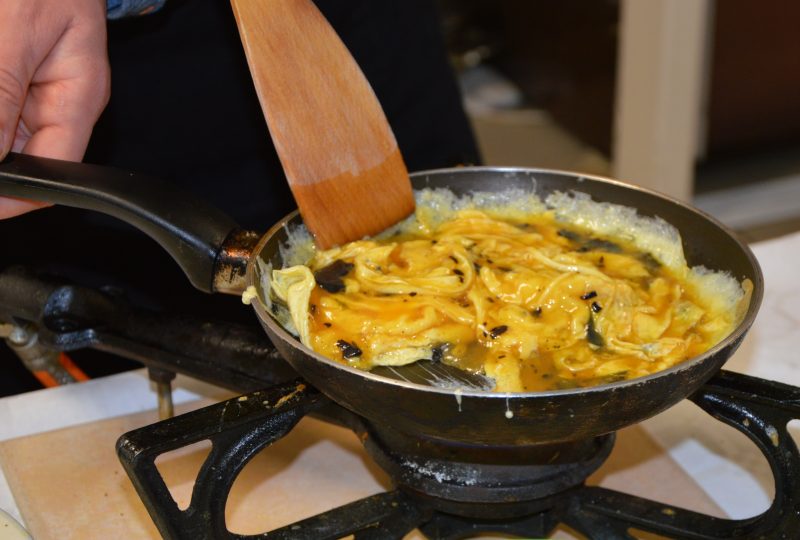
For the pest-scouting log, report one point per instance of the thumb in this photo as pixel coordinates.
(12, 96)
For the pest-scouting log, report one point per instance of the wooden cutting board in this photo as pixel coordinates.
(68, 483)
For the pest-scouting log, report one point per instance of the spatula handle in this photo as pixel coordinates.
(191, 231)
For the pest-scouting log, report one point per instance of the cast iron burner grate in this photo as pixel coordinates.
(526, 500)
(446, 491)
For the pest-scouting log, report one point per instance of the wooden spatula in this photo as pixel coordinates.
(337, 149)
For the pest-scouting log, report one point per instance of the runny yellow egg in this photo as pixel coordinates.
(531, 300)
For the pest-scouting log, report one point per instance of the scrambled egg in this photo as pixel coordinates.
(541, 297)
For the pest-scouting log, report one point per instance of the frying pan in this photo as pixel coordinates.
(217, 256)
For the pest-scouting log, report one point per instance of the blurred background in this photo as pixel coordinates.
(699, 100)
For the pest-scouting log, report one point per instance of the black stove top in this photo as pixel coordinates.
(446, 490)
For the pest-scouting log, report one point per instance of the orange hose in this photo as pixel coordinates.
(72, 368)
(48, 381)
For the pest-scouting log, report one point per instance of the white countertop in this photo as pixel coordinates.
(723, 462)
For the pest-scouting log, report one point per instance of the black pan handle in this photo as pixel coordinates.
(192, 231)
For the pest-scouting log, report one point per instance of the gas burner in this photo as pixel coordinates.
(447, 490)
(485, 482)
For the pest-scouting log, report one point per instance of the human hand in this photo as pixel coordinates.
(54, 80)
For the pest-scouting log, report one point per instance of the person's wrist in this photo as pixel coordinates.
(117, 9)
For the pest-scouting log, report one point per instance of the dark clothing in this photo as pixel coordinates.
(183, 108)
